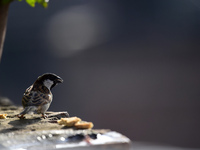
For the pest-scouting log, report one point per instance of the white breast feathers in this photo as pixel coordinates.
(48, 83)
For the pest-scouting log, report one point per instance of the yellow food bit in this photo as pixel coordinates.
(3, 116)
(69, 122)
(84, 125)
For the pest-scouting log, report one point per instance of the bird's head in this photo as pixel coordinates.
(49, 80)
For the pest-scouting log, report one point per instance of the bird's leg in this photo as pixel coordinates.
(44, 115)
(21, 116)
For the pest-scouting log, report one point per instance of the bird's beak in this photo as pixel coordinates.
(59, 80)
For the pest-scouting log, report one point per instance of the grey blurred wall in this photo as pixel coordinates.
(131, 66)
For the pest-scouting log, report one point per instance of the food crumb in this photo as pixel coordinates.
(69, 122)
(84, 125)
(75, 122)
(3, 116)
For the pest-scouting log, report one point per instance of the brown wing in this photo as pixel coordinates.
(27, 96)
(35, 98)
(40, 99)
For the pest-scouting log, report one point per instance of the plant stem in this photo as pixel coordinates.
(3, 24)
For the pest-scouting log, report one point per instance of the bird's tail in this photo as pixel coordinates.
(29, 110)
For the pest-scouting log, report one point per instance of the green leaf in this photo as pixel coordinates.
(44, 3)
(31, 2)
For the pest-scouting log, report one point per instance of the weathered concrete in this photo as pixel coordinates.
(34, 132)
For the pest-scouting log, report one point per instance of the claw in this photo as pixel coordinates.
(44, 116)
(20, 116)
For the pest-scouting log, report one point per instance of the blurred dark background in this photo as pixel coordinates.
(128, 65)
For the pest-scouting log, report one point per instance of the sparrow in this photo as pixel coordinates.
(38, 97)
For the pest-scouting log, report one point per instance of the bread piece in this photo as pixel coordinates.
(84, 125)
(69, 122)
(3, 116)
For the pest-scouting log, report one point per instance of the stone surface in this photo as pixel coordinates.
(34, 132)
(30, 123)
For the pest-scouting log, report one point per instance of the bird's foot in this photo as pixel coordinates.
(20, 116)
(44, 116)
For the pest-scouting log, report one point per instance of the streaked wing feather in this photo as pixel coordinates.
(27, 96)
(39, 99)
(33, 98)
